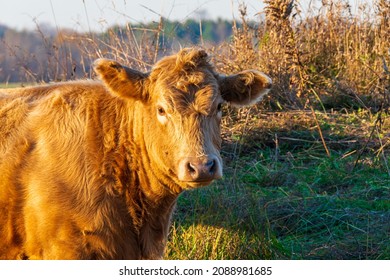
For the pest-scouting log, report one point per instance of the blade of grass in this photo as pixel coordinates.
(320, 132)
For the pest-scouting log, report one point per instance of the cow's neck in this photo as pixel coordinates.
(151, 197)
(150, 207)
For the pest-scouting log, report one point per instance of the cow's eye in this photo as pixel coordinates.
(161, 111)
(219, 107)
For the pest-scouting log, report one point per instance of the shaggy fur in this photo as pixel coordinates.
(92, 169)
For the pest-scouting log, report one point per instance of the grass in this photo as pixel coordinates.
(285, 198)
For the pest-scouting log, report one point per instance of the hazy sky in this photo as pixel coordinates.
(100, 14)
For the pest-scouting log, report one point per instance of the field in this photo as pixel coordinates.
(307, 174)
(307, 171)
(284, 197)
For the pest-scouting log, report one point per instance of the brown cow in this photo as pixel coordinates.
(92, 169)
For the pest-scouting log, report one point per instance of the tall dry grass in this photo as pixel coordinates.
(326, 56)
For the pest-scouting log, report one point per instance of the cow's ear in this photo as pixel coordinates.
(120, 80)
(244, 88)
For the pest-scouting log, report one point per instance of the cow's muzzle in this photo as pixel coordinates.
(200, 170)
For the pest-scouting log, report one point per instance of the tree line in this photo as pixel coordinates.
(51, 54)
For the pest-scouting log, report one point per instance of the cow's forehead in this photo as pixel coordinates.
(193, 90)
(191, 99)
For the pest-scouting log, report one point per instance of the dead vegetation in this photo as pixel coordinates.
(325, 58)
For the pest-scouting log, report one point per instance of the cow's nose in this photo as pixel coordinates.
(199, 170)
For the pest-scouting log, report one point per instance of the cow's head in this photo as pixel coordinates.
(181, 99)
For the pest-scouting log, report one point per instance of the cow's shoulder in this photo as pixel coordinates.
(51, 107)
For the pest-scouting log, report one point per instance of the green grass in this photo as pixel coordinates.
(287, 199)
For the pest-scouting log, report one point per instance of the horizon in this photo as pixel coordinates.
(98, 15)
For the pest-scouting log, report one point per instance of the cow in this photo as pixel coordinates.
(92, 169)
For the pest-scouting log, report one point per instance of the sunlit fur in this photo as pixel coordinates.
(90, 169)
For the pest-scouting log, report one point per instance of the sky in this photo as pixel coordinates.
(95, 15)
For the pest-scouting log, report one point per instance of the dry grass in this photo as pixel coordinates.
(328, 59)
(324, 57)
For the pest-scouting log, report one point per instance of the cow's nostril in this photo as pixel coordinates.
(190, 168)
(211, 166)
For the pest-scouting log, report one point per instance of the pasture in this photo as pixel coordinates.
(283, 197)
(306, 172)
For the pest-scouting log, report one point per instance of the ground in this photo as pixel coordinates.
(297, 185)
